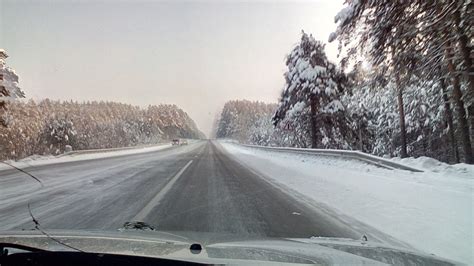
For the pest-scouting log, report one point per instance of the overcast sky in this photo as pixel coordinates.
(194, 54)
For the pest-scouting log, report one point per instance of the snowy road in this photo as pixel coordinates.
(198, 187)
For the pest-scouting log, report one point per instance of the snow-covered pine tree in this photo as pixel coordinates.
(46, 127)
(373, 109)
(57, 133)
(260, 133)
(245, 121)
(9, 89)
(312, 89)
(406, 38)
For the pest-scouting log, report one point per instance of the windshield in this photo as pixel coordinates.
(252, 119)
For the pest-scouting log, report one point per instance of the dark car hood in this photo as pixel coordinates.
(223, 248)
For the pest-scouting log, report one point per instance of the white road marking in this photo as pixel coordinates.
(156, 200)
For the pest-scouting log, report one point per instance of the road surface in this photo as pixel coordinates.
(198, 188)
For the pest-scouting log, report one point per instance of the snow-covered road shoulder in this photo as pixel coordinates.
(37, 160)
(432, 210)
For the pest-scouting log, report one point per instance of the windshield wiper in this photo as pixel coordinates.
(5, 246)
(38, 227)
(35, 221)
(23, 171)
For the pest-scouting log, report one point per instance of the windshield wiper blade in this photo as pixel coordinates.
(38, 227)
(19, 246)
(23, 171)
(5, 246)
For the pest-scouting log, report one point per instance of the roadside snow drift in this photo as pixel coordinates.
(36, 160)
(432, 211)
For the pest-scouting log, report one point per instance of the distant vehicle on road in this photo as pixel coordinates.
(179, 142)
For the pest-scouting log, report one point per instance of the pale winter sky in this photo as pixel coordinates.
(196, 55)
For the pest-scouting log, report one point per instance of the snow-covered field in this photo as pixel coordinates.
(431, 211)
(36, 160)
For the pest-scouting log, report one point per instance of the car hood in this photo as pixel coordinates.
(224, 248)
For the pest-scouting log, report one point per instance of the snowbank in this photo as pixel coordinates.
(36, 160)
(432, 211)
(428, 164)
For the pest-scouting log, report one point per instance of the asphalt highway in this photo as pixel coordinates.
(198, 187)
